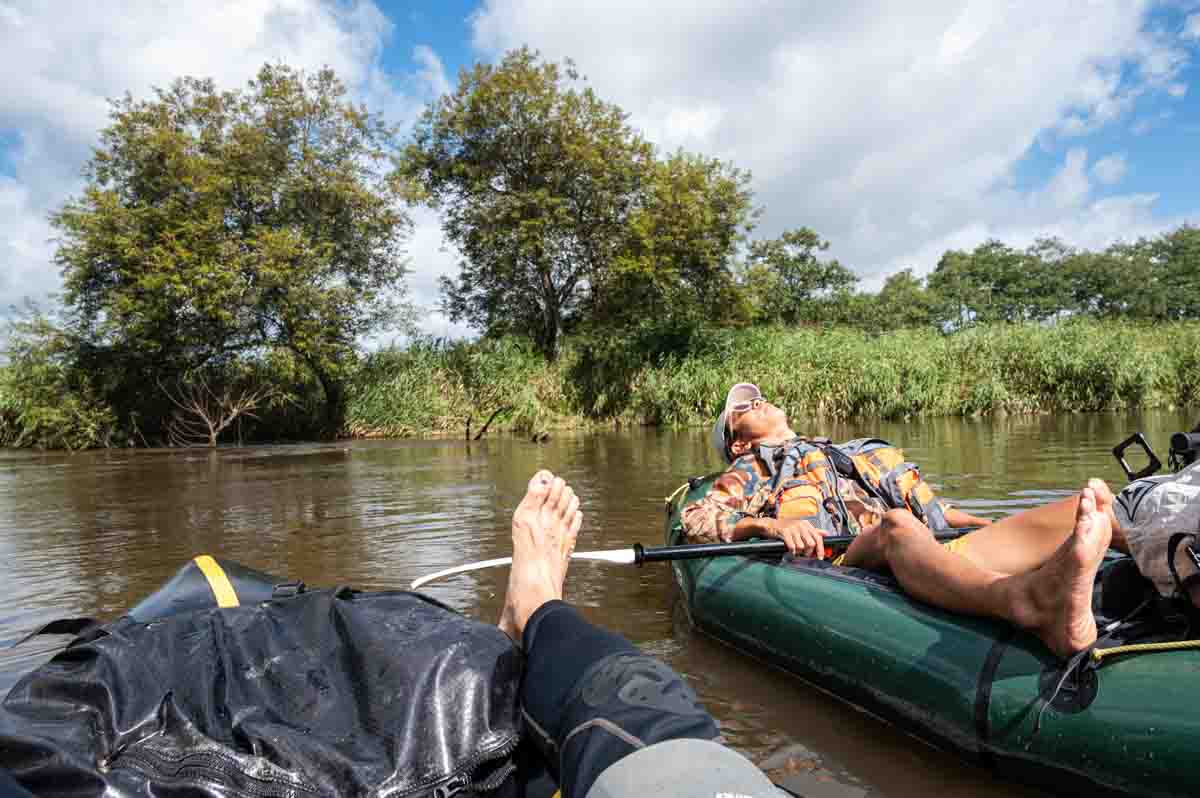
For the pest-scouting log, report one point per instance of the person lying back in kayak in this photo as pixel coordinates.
(1035, 569)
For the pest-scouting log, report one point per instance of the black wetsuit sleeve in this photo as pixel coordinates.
(590, 698)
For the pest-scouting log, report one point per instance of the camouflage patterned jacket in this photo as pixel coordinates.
(840, 488)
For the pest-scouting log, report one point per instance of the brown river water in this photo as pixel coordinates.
(91, 533)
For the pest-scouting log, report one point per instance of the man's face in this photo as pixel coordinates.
(761, 420)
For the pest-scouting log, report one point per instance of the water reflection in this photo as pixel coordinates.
(91, 533)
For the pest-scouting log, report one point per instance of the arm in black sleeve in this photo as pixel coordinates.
(591, 698)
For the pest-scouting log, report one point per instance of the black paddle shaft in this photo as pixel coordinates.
(751, 548)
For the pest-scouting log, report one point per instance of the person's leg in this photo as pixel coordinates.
(1012, 545)
(601, 712)
(1025, 540)
(1053, 600)
(544, 527)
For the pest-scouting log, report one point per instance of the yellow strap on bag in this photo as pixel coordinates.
(218, 582)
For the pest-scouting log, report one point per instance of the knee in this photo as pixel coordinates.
(901, 526)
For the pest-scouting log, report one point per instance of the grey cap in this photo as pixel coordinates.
(742, 392)
(678, 768)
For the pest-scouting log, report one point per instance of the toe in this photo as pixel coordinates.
(1103, 494)
(556, 488)
(1087, 504)
(565, 501)
(540, 481)
(571, 521)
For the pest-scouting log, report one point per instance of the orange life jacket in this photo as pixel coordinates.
(807, 471)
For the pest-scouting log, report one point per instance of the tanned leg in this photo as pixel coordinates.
(1023, 541)
(544, 529)
(1053, 601)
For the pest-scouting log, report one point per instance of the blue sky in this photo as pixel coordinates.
(1160, 138)
(895, 130)
(443, 25)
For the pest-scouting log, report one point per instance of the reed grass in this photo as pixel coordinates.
(678, 377)
(434, 387)
(832, 373)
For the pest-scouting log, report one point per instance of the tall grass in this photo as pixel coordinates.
(841, 373)
(436, 386)
(832, 373)
(678, 377)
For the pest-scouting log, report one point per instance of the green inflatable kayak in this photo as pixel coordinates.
(1124, 724)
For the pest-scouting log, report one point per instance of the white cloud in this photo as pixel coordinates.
(61, 67)
(1191, 27)
(433, 73)
(1177, 90)
(1110, 169)
(1069, 186)
(432, 258)
(892, 129)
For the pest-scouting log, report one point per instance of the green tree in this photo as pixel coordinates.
(1046, 288)
(1177, 257)
(803, 278)
(905, 302)
(849, 308)
(995, 282)
(682, 237)
(44, 401)
(218, 224)
(1123, 281)
(536, 179)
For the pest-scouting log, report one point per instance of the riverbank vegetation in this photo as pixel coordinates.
(231, 250)
(814, 372)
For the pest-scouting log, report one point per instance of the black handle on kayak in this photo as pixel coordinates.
(699, 551)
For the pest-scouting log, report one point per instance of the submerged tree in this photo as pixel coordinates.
(536, 178)
(219, 224)
(204, 408)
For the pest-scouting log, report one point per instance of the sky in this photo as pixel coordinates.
(896, 130)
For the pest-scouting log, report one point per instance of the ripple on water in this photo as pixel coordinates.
(92, 533)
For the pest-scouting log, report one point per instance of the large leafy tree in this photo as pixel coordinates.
(676, 264)
(536, 177)
(798, 283)
(995, 282)
(219, 224)
(1177, 274)
(904, 302)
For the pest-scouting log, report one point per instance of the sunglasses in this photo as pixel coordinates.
(749, 404)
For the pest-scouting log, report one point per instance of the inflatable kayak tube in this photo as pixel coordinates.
(970, 685)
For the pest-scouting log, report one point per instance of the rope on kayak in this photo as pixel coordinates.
(1073, 663)
(1099, 654)
(671, 499)
(1084, 659)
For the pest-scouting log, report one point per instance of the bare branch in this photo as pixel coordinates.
(203, 413)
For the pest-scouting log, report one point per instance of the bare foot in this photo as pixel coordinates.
(544, 528)
(1055, 601)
